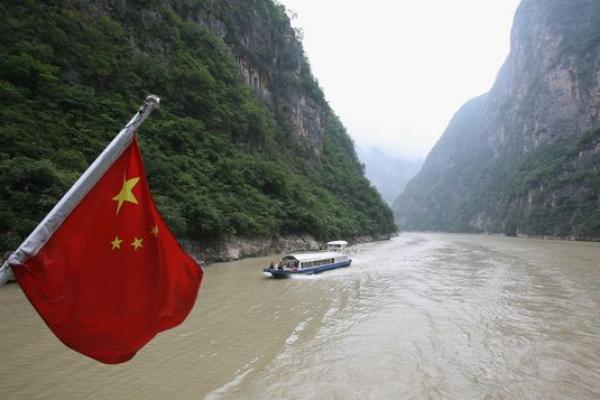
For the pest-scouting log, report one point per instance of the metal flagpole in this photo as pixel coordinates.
(42, 233)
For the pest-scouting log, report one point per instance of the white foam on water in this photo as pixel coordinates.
(222, 391)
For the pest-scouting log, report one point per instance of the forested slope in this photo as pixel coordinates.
(224, 158)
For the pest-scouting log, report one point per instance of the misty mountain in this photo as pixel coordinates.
(525, 157)
(387, 173)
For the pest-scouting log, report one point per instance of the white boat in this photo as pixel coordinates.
(311, 262)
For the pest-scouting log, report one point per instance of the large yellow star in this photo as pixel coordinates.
(126, 194)
(137, 243)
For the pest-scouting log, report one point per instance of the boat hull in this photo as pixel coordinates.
(277, 273)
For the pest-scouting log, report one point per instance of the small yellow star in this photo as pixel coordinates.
(154, 230)
(116, 244)
(137, 243)
(126, 194)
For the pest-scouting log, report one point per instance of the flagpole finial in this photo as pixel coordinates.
(152, 98)
(152, 101)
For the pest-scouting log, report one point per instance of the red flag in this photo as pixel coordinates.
(112, 275)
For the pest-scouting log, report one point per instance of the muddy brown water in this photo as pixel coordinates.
(422, 316)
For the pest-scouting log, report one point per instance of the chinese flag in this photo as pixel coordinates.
(112, 275)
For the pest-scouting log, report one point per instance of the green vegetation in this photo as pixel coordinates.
(219, 161)
(563, 181)
(553, 190)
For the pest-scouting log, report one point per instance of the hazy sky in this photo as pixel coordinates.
(395, 71)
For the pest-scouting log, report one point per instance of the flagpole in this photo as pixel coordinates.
(40, 235)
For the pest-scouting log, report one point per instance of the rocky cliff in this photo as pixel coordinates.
(244, 146)
(525, 157)
(271, 60)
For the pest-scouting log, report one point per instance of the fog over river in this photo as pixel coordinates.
(422, 316)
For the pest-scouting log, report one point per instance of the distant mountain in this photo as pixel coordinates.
(244, 144)
(525, 157)
(388, 174)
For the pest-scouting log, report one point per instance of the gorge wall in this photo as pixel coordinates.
(525, 157)
(244, 144)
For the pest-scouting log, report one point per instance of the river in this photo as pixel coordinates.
(422, 316)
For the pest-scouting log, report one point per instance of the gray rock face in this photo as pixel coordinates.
(522, 158)
(272, 64)
(269, 54)
(236, 248)
(547, 85)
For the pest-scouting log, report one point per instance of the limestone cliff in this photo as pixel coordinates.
(244, 145)
(523, 158)
(271, 60)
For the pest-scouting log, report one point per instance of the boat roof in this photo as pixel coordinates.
(335, 242)
(313, 256)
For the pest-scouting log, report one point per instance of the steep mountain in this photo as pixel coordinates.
(244, 145)
(525, 157)
(389, 174)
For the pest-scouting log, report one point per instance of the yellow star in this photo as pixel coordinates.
(126, 194)
(154, 230)
(137, 243)
(116, 244)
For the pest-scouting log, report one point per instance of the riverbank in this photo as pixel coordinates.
(520, 235)
(237, 248)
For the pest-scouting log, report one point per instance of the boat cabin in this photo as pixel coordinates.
(312, 262)
(337, 246)
(309, 260)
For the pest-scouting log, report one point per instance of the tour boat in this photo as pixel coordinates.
(311, 262)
